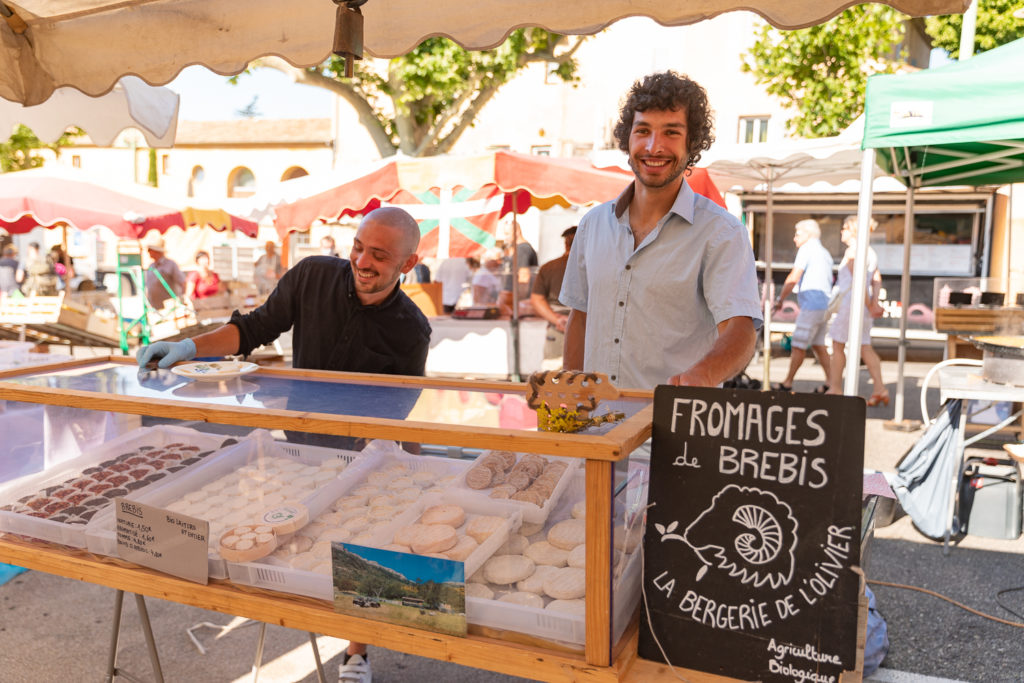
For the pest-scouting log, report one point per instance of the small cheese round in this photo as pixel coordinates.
(523, 598)
(530, 528)
(507, 569)
(435, 538)
(568, 533)
(406, 535)
(578, 556)
(534, 583)
(462, 549)
(567, 583)
(479, 590)
(515, 545)
(247, 543)
(481, 528)
(451, 515)
(424, 478)
(304, 561)
(579, 510)
(286, 518)
(543, 552)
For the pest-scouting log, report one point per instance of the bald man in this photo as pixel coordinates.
(347, 315)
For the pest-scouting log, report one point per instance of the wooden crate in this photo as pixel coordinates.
(45, 310)
(954, 320)
(427, 296)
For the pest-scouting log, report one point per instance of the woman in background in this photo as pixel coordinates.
(268, 269)
(202, 282)
(840, 330)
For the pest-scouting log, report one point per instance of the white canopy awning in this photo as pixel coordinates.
(89, 44)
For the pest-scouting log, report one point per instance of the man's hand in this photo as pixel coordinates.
(167, 353)
(691, 378)
(561, 322)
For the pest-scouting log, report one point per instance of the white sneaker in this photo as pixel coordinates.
(355, 670)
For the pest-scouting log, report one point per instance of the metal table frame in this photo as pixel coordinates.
(966, 383)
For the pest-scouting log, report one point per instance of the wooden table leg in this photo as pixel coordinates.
(600, 477)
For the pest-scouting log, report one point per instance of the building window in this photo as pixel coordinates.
(165, 164)
(294, 172)
(540, 150)
(195, 180)
(753, 129)
(76, 161)
(241, 183)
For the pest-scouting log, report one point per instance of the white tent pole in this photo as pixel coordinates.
(967, 31)
(867, 168)
(768, 256)
(1007, 270)
(901, 354)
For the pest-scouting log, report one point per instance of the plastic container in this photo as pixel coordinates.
(531, 513)
(74, 535)
(317, 585)
(21, 451)
(565, 629)
(259, 447)
(13, 354)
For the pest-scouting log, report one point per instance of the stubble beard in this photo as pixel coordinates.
(671, 178)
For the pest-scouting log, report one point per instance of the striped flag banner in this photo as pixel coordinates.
(454, 222)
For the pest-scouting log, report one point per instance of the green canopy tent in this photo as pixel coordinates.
(959, 124)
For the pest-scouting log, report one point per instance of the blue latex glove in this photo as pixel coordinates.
(168, 353)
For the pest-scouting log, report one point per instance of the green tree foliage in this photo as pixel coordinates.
(821, 71)
(995, 26)
(422, 102)
(20, 151)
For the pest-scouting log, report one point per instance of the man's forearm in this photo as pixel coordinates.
(542, 308)
(575, 340)
(729, 355)
(223, 341)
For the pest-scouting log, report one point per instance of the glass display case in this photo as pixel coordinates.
(978, 304)
(81, 420)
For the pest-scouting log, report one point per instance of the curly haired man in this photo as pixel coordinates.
(661, 281)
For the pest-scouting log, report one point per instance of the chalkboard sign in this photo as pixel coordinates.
(752, 532)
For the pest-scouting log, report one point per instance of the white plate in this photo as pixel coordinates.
(215, 371)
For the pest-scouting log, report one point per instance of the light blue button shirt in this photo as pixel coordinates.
(816, 282)
(652, 312)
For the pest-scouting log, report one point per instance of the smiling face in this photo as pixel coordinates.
(380, 254)
(657, 147)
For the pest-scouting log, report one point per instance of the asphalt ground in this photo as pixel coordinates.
(55, 629)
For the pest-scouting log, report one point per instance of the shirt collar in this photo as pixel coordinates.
(683, 206)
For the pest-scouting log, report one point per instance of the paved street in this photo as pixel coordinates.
(55, 629)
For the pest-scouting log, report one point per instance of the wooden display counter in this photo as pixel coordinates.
(318, 616)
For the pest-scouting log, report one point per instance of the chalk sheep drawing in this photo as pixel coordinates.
(762, 531)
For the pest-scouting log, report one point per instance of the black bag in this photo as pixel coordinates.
(742, 381)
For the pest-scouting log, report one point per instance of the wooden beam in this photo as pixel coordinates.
(599, 481)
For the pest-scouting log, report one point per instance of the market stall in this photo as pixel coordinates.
(595, 468)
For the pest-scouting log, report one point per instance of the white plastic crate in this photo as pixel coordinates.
(102, 538)
(13, 353)
(21, 450)
(563, 628)
(532, 514)
(75, 534)
(312, 584)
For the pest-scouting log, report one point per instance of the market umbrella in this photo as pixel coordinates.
(459, 198)
(56, 196)
(959, 124)
(132, 103)
(768, 165)
(89, 44)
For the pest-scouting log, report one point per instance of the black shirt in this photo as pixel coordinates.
(332, 329)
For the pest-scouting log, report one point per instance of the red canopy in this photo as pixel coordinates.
(483, 188)
(54, 196)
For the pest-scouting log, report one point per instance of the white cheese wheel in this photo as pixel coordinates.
(543, 552)
(568, 533)
(579, 510)
(448, 514)
(335, 535)
(462, 549)
(578, 556)
(247, 543)
(567, 583)
(515, 545)
(523, 598)
(479, 590)
(406, 535)
(286, 519)
(481, 528)
(304, 561)
(534, 583)
(508, 569)
(435, 538)
(529, 529)
(424, 478)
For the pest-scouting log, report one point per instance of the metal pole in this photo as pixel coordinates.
(867, 167)
(768, 288)
(970, 20)
(901, 355)
(516, 375)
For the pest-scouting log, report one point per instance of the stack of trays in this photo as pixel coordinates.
(63, 503)
(237, 487)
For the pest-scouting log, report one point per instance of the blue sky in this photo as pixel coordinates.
(206, 96)
(413, 567)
